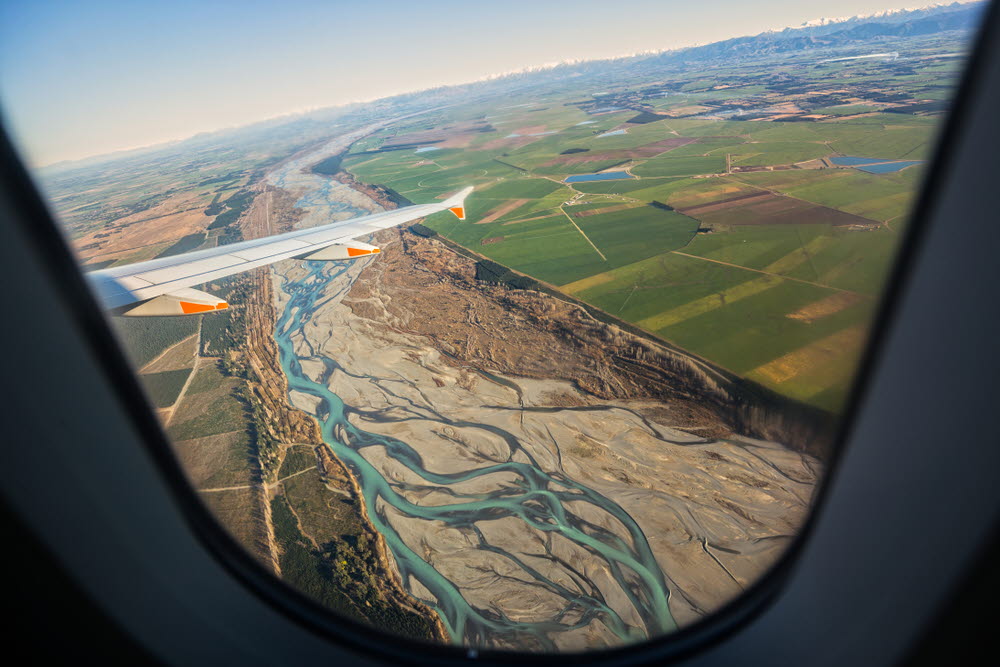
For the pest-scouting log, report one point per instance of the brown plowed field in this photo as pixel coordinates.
(509, 143)
(530, 129)
(770, 209)
(599, 211)
(170, 220)
(532, 219)
(502, 210)
(724, 204)
(649, 150)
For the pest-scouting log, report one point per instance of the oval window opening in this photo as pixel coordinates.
(514, 356)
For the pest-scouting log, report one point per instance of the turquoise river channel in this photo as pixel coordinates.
(538, 497)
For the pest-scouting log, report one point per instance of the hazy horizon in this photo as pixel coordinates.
(86, 82)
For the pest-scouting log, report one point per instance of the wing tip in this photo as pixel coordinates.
(456, 203)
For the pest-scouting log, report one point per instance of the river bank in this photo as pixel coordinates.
(535, 483)
(525, 511)
(306, 494)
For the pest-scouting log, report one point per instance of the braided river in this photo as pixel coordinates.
(489, 518)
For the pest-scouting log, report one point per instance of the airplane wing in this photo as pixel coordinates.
(164, 286)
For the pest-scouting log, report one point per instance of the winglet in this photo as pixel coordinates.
(456, 203)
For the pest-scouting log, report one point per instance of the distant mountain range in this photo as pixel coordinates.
(856, 30)
(890, 15)
(860, 31)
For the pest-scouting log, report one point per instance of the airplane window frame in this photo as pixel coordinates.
(735, 614)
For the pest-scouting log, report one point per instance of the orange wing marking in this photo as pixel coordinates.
(187, 308)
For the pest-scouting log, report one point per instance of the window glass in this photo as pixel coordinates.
(591, 404)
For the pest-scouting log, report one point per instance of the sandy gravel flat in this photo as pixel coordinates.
(716, 513)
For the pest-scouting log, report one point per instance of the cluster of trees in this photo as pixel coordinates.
(266, 441)
(218, 331)
(351, 565)
(645, 117)
(183, 245)
(215, 208)
(491, 272)
(226, 334)
(421, 230)
(299, 564)
(342, 575)
(235, 206)
(143, 204)
(329, 166)
(144, 338)
(220, 179)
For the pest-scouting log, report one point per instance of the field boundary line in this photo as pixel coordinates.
(628, 298)
(164, 353)
(294, 474)
(778, 193)
(221, 489)
(596, 249)
(767, 273)
(187, 383)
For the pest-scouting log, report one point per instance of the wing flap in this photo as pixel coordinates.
(185, 301)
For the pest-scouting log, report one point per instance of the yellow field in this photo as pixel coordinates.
(799, 255)
(709, 303)
(587, 283)
(824, 307)
(811, 362)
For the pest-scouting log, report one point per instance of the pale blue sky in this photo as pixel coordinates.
(85, 78)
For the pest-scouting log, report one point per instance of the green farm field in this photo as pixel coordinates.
(736, 240)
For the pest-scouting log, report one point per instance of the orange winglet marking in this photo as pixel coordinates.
(459, 212)
(376, 250)
(357, 252)
(221, 306)
(188, 308)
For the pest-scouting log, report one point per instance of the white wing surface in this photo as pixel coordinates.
(163, 286)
